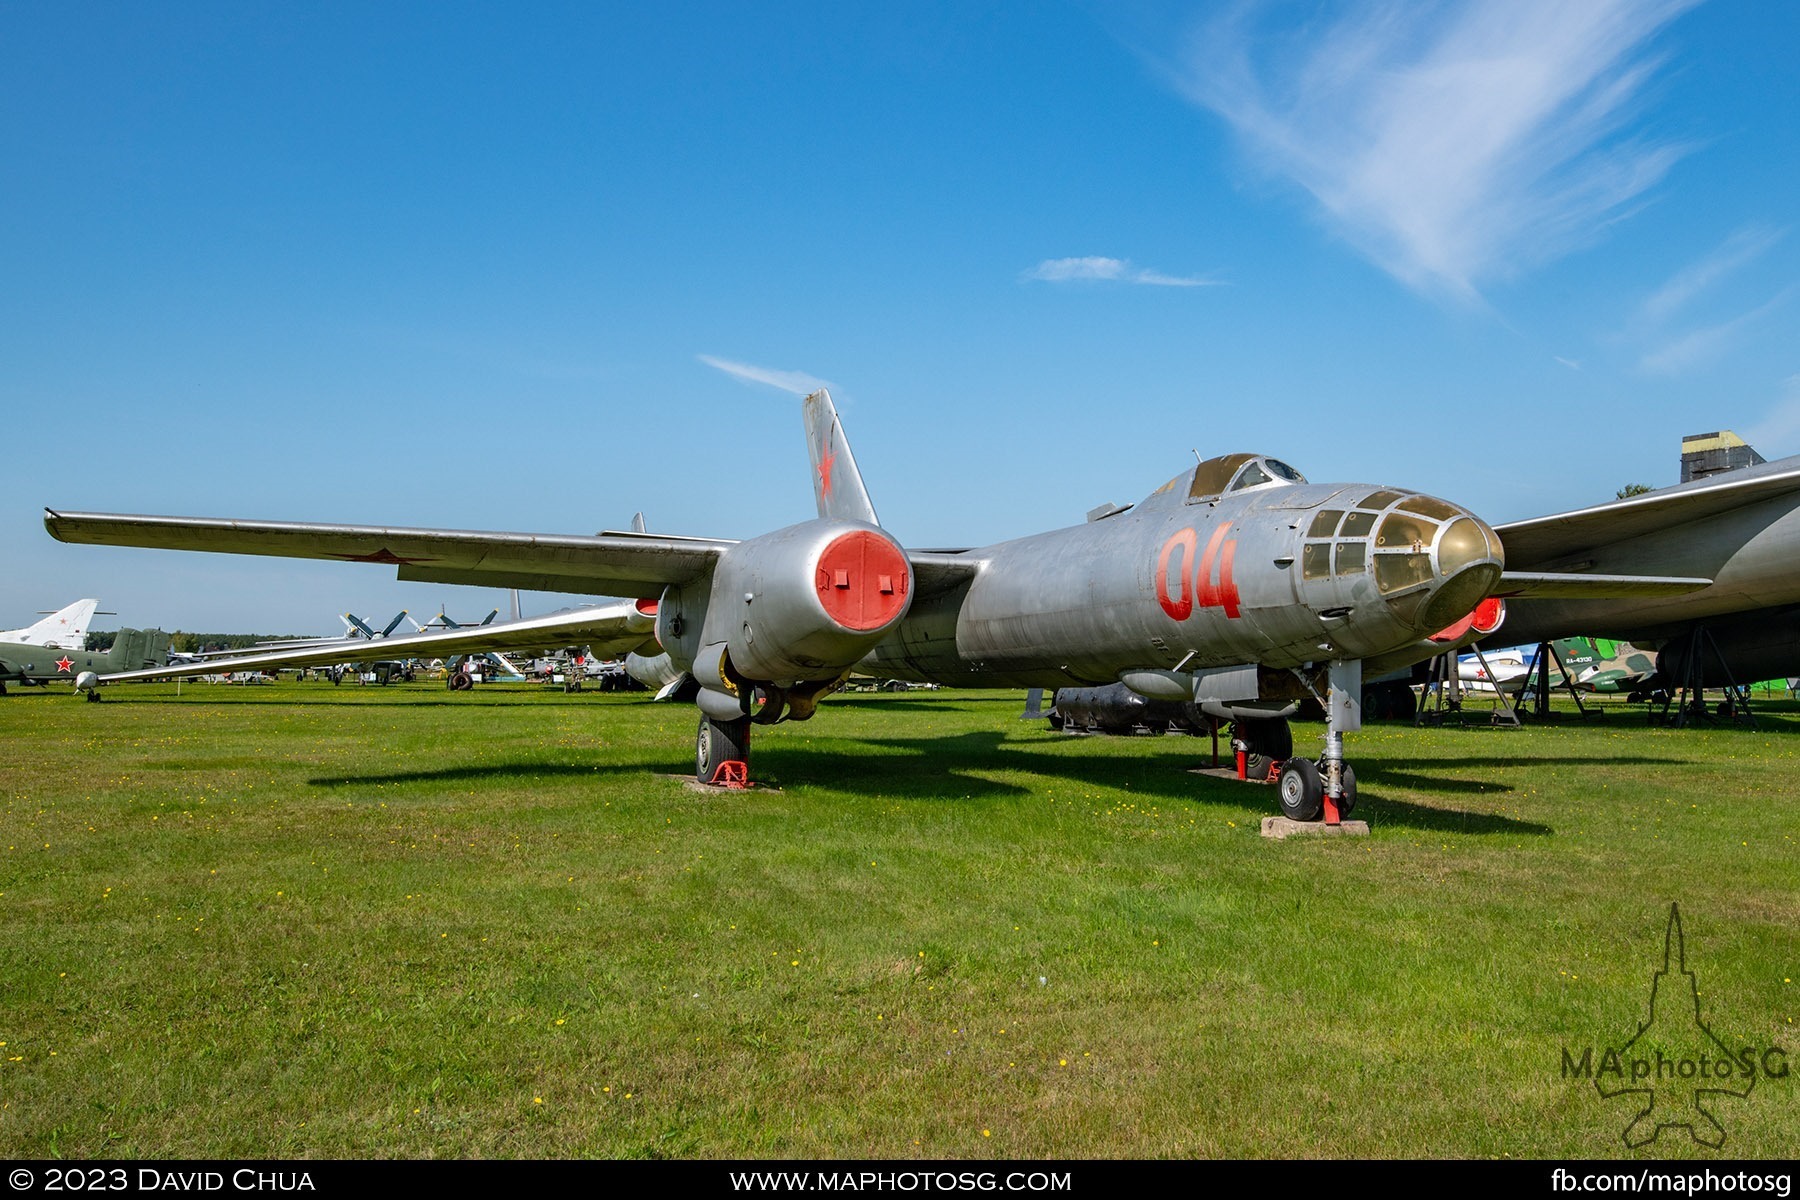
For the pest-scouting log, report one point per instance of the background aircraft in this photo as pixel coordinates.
(613, 628)
(29, 664)
(1237, 585)
(65, 628)
(1603, 665)
(357, 634)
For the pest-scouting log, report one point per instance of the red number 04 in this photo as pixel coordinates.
(1202, 590)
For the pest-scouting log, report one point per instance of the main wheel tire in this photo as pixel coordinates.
(1269, 741)
(720, 742)
(1302, 795)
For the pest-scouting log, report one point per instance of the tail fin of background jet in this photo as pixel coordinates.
(837, 484)
(66, 628)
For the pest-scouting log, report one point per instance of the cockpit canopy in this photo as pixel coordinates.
(1235, 473)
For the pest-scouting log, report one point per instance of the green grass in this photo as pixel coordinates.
(310, 921)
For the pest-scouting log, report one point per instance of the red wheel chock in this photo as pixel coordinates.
(734, 773)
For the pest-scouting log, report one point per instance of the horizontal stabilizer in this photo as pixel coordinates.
(1541, 585)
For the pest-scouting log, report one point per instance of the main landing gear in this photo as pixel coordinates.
(722, 752)
(722, 745)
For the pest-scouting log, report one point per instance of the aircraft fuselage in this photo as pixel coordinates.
(1278, 576)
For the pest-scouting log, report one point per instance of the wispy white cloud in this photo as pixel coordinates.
(1451, 144)
(1741, 248)
(1572, 364)
(1703, 345)
(797, 382)
(1119, 270)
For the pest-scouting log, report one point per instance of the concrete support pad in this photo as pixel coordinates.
(1283, 827)
(707, 789)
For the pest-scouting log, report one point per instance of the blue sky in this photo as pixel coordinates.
(537, 269)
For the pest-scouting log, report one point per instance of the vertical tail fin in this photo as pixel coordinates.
(66, 628)
(137, 649)
(837, 484)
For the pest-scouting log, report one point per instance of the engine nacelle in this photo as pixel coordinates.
(804, 603)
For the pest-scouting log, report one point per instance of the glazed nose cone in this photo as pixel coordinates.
(1432, 575)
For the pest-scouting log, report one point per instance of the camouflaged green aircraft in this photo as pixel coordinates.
(34, 664)
(1605, 665)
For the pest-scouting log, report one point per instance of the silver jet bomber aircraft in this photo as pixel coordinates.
(1238, 585)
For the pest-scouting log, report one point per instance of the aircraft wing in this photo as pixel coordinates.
(603, 564)
(1542, 541)
(1573, 585)
(608, 629)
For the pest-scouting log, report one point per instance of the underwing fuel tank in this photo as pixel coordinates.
(1237, 561)
(804, 603)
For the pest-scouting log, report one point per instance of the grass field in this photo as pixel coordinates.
(300, 920)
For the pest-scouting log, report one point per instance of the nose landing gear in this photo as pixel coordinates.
(1327, 788)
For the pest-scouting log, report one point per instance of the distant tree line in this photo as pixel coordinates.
(187, 643)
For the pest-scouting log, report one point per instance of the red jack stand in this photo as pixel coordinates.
(1243, 763)
(1331, 812)
(734, 773)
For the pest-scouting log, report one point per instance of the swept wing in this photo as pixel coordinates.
(608, 629)
(609, 564)
(1543, 541)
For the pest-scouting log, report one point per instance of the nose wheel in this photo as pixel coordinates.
(1301, 786)
(1327, 788)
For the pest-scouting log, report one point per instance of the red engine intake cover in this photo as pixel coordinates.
(1486, 618)
(862, 580)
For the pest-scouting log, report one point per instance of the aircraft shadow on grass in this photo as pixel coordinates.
(488, 771)
(949, 769)
(956, 768)
(396, 702)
